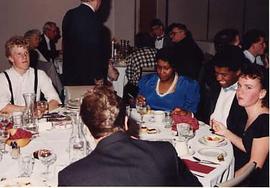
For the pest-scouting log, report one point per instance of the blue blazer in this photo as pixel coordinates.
(186, 96)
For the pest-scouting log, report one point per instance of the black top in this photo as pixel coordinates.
(258, 129)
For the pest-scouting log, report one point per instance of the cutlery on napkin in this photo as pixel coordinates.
(205, 161)
(195, 166)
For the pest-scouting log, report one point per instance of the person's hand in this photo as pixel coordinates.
(141, 100)
(219, 128)
(181, 112)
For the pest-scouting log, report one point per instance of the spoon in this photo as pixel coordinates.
(205, 161)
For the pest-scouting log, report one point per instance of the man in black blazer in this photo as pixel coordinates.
(119, 159)
(84, 58)
(220, 101)
(47, 45)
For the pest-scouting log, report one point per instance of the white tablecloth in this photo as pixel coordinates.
(57, 139)
(119, 84)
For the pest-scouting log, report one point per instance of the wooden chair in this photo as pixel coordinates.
(237, 180)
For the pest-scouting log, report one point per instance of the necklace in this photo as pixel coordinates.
(171, 88)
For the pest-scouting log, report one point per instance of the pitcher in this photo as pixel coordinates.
(29, 99)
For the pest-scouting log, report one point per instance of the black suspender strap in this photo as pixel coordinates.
(36, 81)
(10, 88)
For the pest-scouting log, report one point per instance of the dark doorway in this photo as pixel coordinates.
(148, 9)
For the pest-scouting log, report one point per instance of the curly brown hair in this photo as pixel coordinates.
(19, 41)
(99, 110)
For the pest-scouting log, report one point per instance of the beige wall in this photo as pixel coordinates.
(18, 16)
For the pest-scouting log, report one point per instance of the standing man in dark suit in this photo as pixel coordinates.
(118, 159)
(47, 41)
(84, 53)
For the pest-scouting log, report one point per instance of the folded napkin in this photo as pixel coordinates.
(195, 166)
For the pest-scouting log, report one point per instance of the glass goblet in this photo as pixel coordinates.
(141, 109)
(4, 135)
(47, 158)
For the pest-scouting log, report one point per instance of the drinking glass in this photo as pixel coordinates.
(3, 137)
(141, 109)
(41, 107)
(26, 164)
(47, 158)
(17, 119)
(185, 131)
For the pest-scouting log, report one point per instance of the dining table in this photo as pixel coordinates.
(56, 135)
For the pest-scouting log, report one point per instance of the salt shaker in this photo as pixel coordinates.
(15, 151)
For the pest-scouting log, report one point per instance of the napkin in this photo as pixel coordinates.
(195, 166)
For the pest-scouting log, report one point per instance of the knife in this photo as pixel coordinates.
(205, 161)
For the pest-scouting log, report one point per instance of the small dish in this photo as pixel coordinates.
(212, 152)
(212, 140)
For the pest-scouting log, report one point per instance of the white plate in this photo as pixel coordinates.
(212, 152)
(219, 144)
(22, 182)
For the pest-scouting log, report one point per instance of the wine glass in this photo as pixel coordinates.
(4, 135)
(185, 131)
(3, 138)
(47, 158)
(141, 109)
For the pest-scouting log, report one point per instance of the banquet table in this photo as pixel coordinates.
(52, 136)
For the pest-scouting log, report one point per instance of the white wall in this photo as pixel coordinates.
(18, 16)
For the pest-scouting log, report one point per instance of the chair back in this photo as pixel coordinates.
(237, 180)
(73, 92)
(147, 70)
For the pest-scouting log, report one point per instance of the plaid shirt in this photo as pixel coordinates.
(141, 57)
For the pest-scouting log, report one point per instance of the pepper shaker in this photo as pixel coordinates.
(15, 151)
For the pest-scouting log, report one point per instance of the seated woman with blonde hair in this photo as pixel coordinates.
(252, 94)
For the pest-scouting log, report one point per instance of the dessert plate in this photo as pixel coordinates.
(212, 152)
(213, 140)
(22, 182)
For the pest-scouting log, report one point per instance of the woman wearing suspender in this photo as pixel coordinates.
(20, 78)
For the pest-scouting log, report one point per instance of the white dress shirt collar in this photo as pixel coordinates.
(47, 42)
(87, 4)
(249, 56)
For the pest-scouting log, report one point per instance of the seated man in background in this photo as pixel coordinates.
(142, 57)
(166, 89)
(47, 45)
(254, 47)
(37, 60)
(161, 39)
(118, 159)
(20, 78)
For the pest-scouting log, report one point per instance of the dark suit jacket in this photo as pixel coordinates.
(43, 48)
(119, 160)
(188, 58)
(83, 47)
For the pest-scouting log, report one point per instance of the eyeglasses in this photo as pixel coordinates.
(175, 32)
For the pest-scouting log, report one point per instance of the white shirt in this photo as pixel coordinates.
(159, 43)
(224, 104)
(47, 42)
(25, 84)
(252, 58)
(87, 4)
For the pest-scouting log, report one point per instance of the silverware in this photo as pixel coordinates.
(205, 161)
(198, 175)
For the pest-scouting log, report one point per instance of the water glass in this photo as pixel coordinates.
(17, 119)
(26, 165)
(184, 131)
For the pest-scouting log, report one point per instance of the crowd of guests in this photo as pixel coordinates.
(229, 92)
